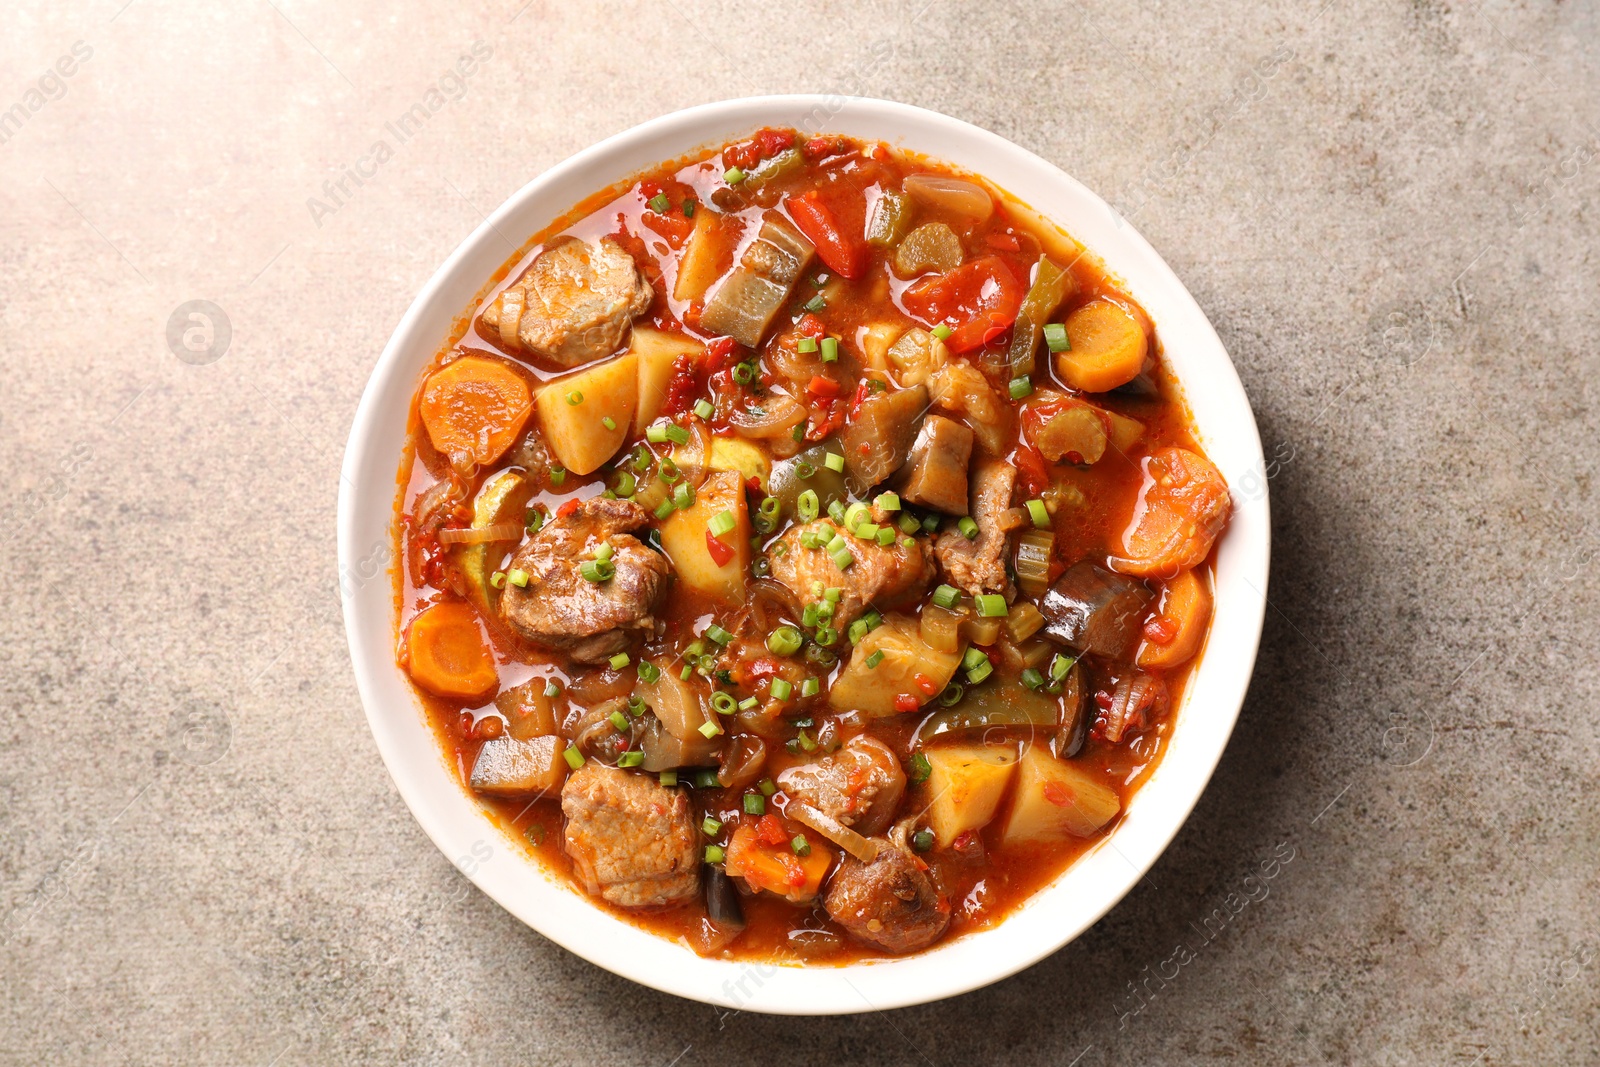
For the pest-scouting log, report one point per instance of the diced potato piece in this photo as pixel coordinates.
(1056, 244)
(1124, 432)
(967, 782)
(577, 432)
(875, 689)
(776, 868)
(528, 711)
(707, 253)
(741, 457)
(1056, 800)
(683, 538)
(510, 767)
(875, 342)
(657, 352)
(503, 498)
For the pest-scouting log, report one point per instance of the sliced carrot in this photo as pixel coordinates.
(1186, 605)
(1107, 347)
(447, 654)
(1182, 507)
(776, 868)
(474, 408)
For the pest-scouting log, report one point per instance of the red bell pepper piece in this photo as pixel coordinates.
(977, 300)
(719, 550)
(844, 255)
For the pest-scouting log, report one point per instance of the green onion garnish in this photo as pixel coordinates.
(830, 350)
(767, 787)
(922, 840)
(1061, 666)
(784, 641)
(888, 501)
(807, 505)
(991, 606)
(649, 673)
(968, 528)
(710, 729)
(498, 579)
(619, 661)
(711, 826)
(1021, 387)
(688, 209)
(815, 304)
(842, 559)
(920, 768)
(733, 175)
(575, 398)
(677, 434)
(947, 596)
(517, 577)
(703, 408)
(620, 721)
(942, 332)
(875, 659)
(834, 462)
(1055, 335)
(669, 778)
(810, 687)
(886, 536)
(755, 804)
(552, 690)
(573, 757)
(659, 203)
(780, 689)
(664, 509)
(714, 854)
(719, 635)
(1038, 513)
(723, 703)
(721, 523)
(609, 423)
(806, 345)
(1032, 678)
(800, 845)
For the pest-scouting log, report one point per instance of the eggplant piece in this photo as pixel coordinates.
(877, 441)
(722, 900)
(1091, 609)
(809, 470)
(743, 305)
(1005, 704)
(935, 474)
(512, 767)
(1075, 714)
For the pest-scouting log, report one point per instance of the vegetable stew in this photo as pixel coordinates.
(802, 548)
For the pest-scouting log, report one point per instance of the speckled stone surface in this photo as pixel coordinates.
(1388, 208)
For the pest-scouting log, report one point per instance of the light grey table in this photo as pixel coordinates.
(1388, 209)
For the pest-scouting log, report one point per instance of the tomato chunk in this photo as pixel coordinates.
(843, 254)
(977, 300)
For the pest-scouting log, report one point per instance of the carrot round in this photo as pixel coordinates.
(474, 408)
(447, 654)
(1107, 346)
(1182, 507)
(1186, 608)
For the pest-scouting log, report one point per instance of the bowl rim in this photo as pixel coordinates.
(1089, 887)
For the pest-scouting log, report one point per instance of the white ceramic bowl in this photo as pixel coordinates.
(1056, 914)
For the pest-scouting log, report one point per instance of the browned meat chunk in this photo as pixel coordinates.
(935, 475)
(574, 305)
(889, 903)
(560, 609)
(878, 437)
(978, 566)
(883, 576)
(631, 839)
(859, 785)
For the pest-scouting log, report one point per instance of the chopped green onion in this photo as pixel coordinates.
(834, 462)
(619, 661)
(770, 508)
(806, 345)
(868, 531)
(767, 787)
(973, 659)
(780, 689)
(830, 350)
(636, 706)
(552, 690)
(721, 523)
(886, 536)
(799, 431)
(704, 779)
(575, 398)
(733, 175)
(743, 373)
(573, 757)
(1061, 666)
(810, 687)
(978, 674)
(649, 673)
(836, 509)
(835, 543)
(922, 840)
(688, 208)
(723, 703)
(991, 606)
(920, 768)
(609, 423)
(802, 469)
(683, 497)
(669, 778)
(710, 729)
(1055, 335)
(677, 434)
(605, 551)
(951, 695)
(810, 615)
(888, 501)
(815, 304)
(664, 509)
(1021, 387)
(711, 826)
(620, 721)
(784, 641)
(755, 804)
(597, 570)
(825, 611)
(908, 523)
(626, 484)
(656, 434)
(968, 528)
(558, 474)
(807, 505)
(826, 635)
(1032, 678)
(749, 704)
(875, 659)
(942, 332)
(947, 596)
(686, 672)
(907, 543)
(1039, 515)
(517, 577)
(718, 634)
(498, 579)
(669, 471)
(800, 845)
(659, 203)
(703, 408)
(714, 854)
(535, 520)
(930, 523)
(842, 559)
(854, 514)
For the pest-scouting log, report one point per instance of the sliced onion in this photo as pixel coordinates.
(781, 414)
(1137, 699)
(438, 498)
(694, 458)
(742, 761)
(955, 194)
(511, 304)
(862, 848)
(478, 535)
